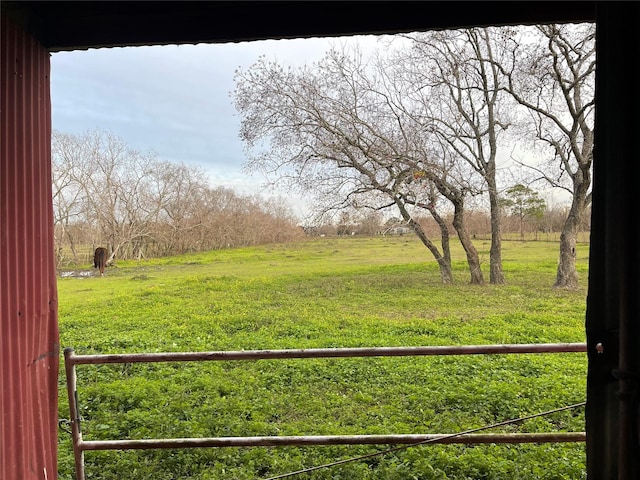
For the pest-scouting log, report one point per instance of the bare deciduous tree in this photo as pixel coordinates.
(176, 188)
(68, 191)
(458, 71)
(431, 159)
(357, 135)
(116, 184)
(331, 130)
(137, 205)
(555, 80)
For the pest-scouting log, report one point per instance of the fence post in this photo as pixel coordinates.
(76, 431)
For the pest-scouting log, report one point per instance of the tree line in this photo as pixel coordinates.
(417, 128)
(530, 218)
(136, 205)
(106, 193)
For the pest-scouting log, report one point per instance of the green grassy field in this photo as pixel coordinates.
(328, 292)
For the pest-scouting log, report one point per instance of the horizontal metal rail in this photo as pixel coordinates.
(80, 445)
(279, 441)
(325, 353)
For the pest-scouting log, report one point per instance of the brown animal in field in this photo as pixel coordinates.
(100, 259)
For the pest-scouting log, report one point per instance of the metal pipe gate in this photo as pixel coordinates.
(80, 445)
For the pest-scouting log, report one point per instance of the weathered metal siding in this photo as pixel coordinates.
(29, 354)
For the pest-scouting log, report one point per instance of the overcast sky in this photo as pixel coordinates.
(172, 100)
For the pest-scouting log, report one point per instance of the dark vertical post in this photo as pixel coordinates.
(613, 313)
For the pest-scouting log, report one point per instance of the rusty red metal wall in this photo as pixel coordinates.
(29, 354)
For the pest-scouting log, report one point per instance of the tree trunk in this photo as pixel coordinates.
(567, 275)
(446, 272)
(444, 234)
(496, 275)
(472, 254)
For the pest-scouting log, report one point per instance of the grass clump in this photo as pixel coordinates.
(324, 293)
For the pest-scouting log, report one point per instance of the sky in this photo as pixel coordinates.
(173, 100)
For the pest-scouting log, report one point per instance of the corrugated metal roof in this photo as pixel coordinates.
(28, 297)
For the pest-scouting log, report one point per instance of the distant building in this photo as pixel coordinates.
(398, 230)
